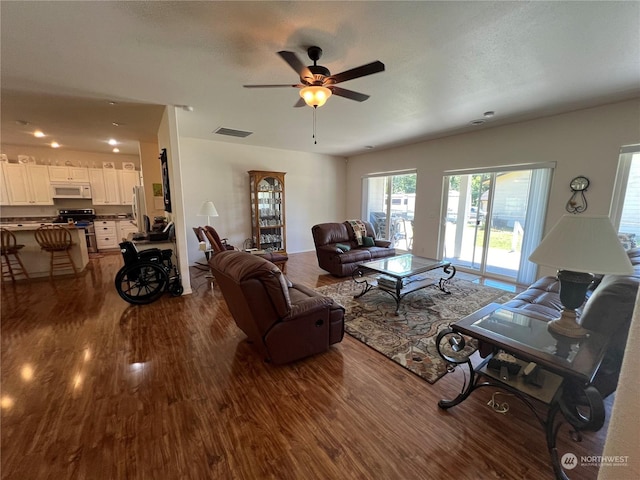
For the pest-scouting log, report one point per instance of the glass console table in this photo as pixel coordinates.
(566, 368)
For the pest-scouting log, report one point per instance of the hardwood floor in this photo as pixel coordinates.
(95, 388)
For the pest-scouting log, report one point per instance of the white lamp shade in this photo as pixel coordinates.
(583, 243)
(208, 209)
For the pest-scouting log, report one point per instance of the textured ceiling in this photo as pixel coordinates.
(446, 64)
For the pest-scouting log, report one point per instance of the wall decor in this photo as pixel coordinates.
(108, 165)
(165, 180)
(128, 166)
(157, 189)
(578, 202)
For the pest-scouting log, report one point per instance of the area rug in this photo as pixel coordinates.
(409, 338)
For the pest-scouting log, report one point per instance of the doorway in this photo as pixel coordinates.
(493, 219)
(389, 204)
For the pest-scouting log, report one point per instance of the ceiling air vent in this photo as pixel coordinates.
(231, 132)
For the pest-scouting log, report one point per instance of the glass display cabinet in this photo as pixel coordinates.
(268, 230)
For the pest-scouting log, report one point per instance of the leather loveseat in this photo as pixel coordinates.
(608, 309)
(284, 321)
(330, 240)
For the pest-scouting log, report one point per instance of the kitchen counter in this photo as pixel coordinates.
(35, 260)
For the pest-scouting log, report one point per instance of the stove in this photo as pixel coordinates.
(82, 218)
(78, 215)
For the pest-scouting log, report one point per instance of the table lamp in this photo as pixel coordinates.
(580, 246)
(208, 209)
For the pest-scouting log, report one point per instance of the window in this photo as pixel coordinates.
(625, 205)
(493, 219)
(389, 202)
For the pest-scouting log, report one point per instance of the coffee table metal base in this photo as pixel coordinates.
(403, 285)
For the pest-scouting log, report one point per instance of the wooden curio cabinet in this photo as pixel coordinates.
(268, 229)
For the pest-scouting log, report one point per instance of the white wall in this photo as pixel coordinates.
(217, 171)
(584, 142)
(169, 139)
(151, 173)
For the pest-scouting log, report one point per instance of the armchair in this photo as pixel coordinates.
(217, 244)
(284, 321)
(221, 245)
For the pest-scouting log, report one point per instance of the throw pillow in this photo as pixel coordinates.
(628, 240)
(343, 247)
(368, 242)
(359, 230)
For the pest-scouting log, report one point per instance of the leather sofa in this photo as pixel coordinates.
(341, 262)
(284, 321)
(608, 309)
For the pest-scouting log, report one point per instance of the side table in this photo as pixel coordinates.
(567, 367)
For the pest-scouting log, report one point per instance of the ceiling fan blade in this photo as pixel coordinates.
(273, 86)
(300, 103)
(368, 69)
(294, 62)
(350, 94)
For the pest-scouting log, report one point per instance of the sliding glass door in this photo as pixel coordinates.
(389, 204)
(494, 219)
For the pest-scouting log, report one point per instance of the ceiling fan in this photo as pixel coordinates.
(316, 82)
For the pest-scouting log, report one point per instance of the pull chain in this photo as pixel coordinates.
(315, 140)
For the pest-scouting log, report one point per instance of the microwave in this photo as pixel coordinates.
(70, 190)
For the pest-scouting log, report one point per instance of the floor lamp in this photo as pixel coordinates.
(208, 209)
(580, 246)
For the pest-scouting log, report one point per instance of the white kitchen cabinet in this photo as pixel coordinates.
(125, 228)
(27, 184)
(127, 180)
(106, 235)
(4, 195)
(104, 186)
(68, 174)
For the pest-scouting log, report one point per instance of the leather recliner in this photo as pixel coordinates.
(284, 321)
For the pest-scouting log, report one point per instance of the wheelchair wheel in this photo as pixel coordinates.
(142, 282)
(176, 289)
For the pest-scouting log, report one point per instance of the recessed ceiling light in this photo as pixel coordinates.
(116, 150)
(369, 147)
(115, 124)
(55, 145)
(38, 134)
(111, 102)
(23, 122)
(489, 114)
(476, 122)
(113, 141)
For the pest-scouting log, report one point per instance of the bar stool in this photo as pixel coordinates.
(57, 241)
(11, 264)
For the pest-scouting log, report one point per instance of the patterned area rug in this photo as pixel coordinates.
(409, 338)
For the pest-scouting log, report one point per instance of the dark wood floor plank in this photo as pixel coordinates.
(93, 387)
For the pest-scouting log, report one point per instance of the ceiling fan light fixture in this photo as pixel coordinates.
(315, 96)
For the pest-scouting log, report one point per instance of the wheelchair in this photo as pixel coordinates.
(146, 275)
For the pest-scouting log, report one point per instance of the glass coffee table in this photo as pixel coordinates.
(401, 275)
